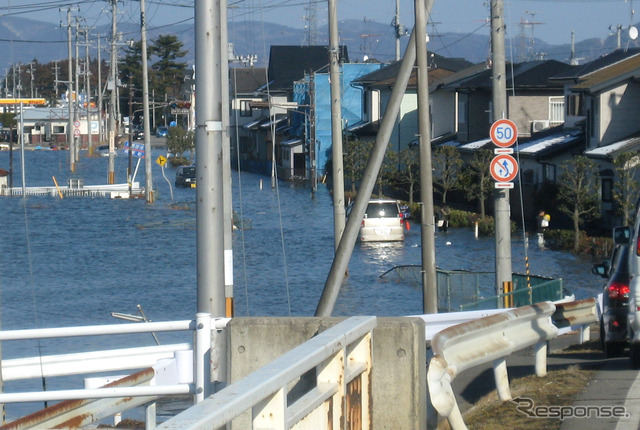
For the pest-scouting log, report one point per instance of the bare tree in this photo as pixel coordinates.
(627, 187)
(476, 178)
(409, 169)
(447, 164)
(577, 193)
(356, 153)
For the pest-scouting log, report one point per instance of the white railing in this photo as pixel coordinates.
(492, 339)
(171, 369)
(341, 357)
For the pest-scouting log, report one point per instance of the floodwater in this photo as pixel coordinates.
(73, 261)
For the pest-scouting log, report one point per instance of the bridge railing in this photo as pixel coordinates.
(337, 391)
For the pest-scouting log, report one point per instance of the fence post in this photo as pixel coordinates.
(541, 358)
(202, 356)
(502, 379)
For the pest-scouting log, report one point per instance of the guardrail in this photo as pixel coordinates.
(338, 397)
(488, 339)
(170, 377)
(492, 339)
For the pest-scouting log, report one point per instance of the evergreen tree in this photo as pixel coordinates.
(169, 72)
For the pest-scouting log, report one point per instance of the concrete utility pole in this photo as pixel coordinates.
(76, 116)
(112, 101)
(336, 125)
(501, 196)
(149, 193)
(398, 28)
(100, 137)
(72, 152)
(429, 276)
(87, 74)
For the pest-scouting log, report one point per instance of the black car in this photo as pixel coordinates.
(186, 176)
(614, 335)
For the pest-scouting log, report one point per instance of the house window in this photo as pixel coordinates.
(607, 190)
(549, 173)
(245, 108)
(527, 177)
(58, 129)
(575, 105)
(556, 110)
(462, 109)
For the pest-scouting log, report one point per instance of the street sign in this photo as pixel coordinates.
(76, 124)
(161, 160)
(504, 168)
(504, 133)
(137, 149)
(76, 132)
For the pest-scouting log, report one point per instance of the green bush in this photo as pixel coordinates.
(178, 161)
(597, 247)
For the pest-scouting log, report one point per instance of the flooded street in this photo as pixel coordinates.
(73, 261)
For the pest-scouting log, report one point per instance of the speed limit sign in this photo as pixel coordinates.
(504, 133)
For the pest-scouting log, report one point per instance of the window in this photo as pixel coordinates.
(575, 105)
(556, 110)
(607, 190)
(549, 173)
(245, 108)
(58, 129)
(527, 177)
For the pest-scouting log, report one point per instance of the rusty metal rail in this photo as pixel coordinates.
(576, 315)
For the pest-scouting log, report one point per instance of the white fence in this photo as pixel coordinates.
(339, 396)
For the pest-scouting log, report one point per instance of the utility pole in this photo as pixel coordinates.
(77, 142)
(398, 28)
(336, 125)
(99, 91)
(88, 89)
(55, 71)
(69, 84)
(429, 276)
(501, 195)
(112, 101)
(31, 78)
(149, 193)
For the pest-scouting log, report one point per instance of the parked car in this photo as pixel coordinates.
(162, 132)
(103, 150)
(383, 222)
(186, 176)
(614, 334)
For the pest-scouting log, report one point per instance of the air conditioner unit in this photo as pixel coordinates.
(539, 125)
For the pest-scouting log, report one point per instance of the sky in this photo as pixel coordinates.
(549, 20)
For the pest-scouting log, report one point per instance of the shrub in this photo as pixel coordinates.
(597, 247)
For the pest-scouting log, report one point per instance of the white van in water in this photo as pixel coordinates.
(383, 222)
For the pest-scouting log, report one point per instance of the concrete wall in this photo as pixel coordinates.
(399, 361)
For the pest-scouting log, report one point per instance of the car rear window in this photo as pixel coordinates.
(189, 171)
(382, 210)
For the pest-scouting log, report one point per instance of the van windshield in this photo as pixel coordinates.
(189, 172)
(382, 210)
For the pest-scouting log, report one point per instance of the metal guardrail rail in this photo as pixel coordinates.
(339, 397)
(492, 339)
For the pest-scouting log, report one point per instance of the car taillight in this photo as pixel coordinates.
(618, 291)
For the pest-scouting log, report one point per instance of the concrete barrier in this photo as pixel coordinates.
(399, 393)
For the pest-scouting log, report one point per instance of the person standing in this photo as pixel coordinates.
(542, 222)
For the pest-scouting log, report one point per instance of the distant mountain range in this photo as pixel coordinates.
(24, 40)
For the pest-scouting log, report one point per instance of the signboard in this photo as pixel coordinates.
(37, 102)
(161, 160)
(76, 124)
(504, 133)
(137, 149)
(76, 132)
(504, 168)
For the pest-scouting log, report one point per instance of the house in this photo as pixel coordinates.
(271, 125)
(48, 125)
(378, 86)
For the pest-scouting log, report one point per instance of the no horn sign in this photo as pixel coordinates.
(504, 168)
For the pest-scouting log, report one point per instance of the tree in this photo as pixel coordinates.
(356, 153)
(475, 179)
(577, 193)
(179, 141)
(409, 172)
(168, 71)
(447, 163)
(627, 187)
(388, 170)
